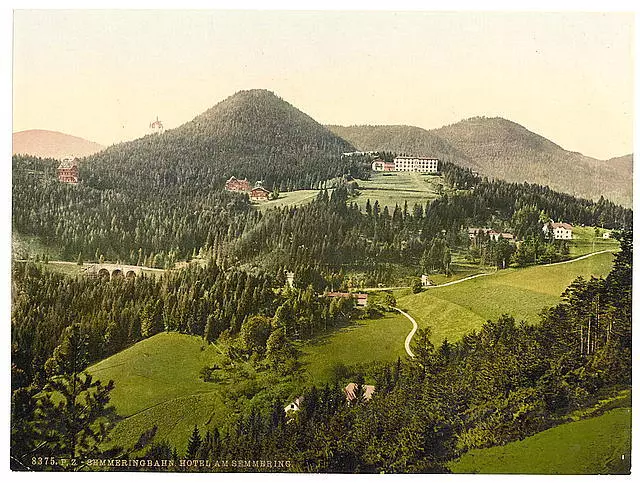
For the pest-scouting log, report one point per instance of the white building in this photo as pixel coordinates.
(290, 276)
(561, 231)
(416, 164)
(294, 406)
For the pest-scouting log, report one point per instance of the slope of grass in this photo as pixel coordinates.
(364, 341)
(389, 189)
(155, 370)
(585, 241)
(455, 310)
(289, 198)
(450, 311)
(174, 418)
(599, 445)
(157, 383)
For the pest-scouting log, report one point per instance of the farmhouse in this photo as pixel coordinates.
(495, 235)
(361, 298)
(234, 184)
(560, 231)
(259, 194)
(350, 392)
(476, 233)
(68, 171)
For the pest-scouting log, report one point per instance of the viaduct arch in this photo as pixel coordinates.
(113, 271)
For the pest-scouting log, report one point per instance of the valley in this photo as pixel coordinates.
(220, 309)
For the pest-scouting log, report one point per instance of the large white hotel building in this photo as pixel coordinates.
(409, 163)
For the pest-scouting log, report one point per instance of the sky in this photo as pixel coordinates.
(104, 75)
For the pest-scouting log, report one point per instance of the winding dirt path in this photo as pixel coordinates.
(407, 341)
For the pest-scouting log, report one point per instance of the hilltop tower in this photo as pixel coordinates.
(156, 126)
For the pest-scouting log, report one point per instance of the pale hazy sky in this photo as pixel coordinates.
(104, 75)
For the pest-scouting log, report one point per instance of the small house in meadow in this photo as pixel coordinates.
(259, 193)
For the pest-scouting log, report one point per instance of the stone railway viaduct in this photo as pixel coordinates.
(112, 270)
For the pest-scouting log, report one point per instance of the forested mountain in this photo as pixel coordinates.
(52, 144)
(252, 134)
(501, 149)
(160, 198)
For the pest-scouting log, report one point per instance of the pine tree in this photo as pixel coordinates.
(195, 441)
(73, 415)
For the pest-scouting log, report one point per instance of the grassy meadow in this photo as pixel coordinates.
(157, 383)
(585, 241)
(362, 342)
(288, 198)
(599, 445)
(454, 310)
(451, 312)
(389, 189)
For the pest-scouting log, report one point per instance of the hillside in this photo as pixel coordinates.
(152, 390)
(499, 148)
(600, 445)
(252, 134)
(52, 144)
(454, 310)
(451, 312)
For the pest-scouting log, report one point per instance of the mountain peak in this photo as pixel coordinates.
(52, 144)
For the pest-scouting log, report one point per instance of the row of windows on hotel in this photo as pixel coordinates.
(422, 165)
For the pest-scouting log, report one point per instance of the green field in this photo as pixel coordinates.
(364, 341)
(599, 445)
(455, 310)
(585, 241)
(299, 198)
(389, 189)
(157, 383)
(451, 312)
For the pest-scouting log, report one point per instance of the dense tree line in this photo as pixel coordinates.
(136, 219)
(333, 233)
(153, 228)
(115, 314)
